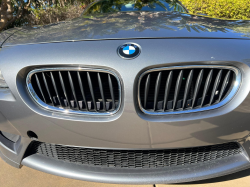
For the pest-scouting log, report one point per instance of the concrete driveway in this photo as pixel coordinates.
(12, 177)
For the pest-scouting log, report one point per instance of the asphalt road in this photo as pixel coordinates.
(12, 177)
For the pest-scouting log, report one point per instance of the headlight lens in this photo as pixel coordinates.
(2, 81)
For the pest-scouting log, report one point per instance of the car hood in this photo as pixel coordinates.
(126, 25)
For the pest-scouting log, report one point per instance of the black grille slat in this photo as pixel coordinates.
(134, 158)
(101, 90)
(40, 88)
(47, 88)
(217, 82)
(64, 89)
(76, 91)
(225, 83)
(177, 88)
(168, 90)
(111, 91)
(207, 84)
(73, 92)
(91, 91)
(197, 86)
(187, 87)
(146, 90)
(55, 88)
(157, 87)
(82, 91)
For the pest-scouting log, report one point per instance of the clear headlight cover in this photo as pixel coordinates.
(2, 81)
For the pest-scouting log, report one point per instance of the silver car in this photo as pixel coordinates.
(130, 92)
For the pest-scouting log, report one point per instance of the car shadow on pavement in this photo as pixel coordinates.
(229, 177)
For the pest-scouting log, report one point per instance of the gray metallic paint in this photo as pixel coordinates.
(12, 153)
(128, 128)
(6, 95)
(174, 43)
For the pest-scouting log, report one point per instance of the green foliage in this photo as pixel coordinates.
(226, 9)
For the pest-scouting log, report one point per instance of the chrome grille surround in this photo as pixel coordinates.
(233, 91)
(70, 111)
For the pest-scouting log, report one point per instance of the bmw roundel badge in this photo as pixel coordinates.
(129, 50)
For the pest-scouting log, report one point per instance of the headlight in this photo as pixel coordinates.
(2, 81)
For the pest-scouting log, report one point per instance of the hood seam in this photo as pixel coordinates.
(147, 38)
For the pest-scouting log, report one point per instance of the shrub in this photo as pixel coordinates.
(227, 9)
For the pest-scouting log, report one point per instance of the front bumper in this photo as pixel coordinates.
(14, 154)
(140, 176)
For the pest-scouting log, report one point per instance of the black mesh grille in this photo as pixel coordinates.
(134, 158)
(77, 90)
(189, 88)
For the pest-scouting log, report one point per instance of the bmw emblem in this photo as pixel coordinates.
(129, 50)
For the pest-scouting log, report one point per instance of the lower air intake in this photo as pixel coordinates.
(76, 90)
(184, 89)
(133, 158)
